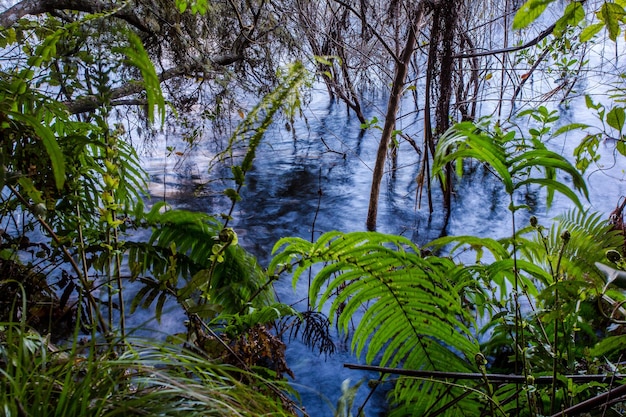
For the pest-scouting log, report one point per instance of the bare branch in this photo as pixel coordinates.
(548, 31)
(92, 102)
(11, 16)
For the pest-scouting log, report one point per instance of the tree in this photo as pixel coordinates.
(398, 85)
(187, 47)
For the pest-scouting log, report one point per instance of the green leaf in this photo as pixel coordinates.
(616, 118)
(529, 12)
(621, 146)
(590, 31)
(569, 127)
(30, 190)
(573, 15)
(238, 174)
(553, 185)
(609, 345)
(53, 149)
(496, 248)
(232, 194)
(612, 15)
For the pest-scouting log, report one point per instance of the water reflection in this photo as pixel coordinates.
(316, 178)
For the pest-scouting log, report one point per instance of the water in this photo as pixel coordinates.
(317, 179)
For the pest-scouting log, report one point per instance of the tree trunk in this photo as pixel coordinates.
(448, 16)
(393, 104)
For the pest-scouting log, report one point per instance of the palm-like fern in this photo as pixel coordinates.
(512, 159)
(590, 236)
(409, 311)
(194, 246)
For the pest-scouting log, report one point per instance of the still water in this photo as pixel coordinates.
(316, 177)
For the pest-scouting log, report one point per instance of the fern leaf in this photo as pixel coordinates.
(138, 57)
(49, 141)
(409, 299)
(466, 140)
(552, 186)
(478, 244)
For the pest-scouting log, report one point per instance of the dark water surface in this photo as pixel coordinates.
(317, 178)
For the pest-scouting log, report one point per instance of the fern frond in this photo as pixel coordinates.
(193, 233)
(182, 245)
(467, 140)
(456, 244)
(509, 157)
(590, 237)
(413, 314)
(446, 398)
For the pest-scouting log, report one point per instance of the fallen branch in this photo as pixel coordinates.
(591, 403)
(501, 378)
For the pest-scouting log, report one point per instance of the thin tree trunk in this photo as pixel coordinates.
(393, 104)
(448, 29)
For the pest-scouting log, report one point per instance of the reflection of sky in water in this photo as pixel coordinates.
(317, 179)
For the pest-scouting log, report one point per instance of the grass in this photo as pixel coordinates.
(133, 378)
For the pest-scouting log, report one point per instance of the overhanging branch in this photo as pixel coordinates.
(12, 15)
(545, 33)
(92, 102)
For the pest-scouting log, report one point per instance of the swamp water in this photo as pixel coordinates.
(317, 178)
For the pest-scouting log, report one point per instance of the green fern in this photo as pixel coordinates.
(409, 311)
(137, 56)
(249, 133)
(510, 158)
(557, 274)
(590, 237)
(183, 245)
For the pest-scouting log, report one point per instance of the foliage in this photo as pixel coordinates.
(414, 315)
(249, 133)
(611, 16)
(140, 378)
(513, 159)
(611, 128)
(423, 312)
(76, 236)
(556, 272)
(418, 312)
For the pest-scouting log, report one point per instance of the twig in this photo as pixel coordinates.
(592, 403)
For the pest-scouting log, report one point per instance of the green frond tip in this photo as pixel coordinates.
(137, 56)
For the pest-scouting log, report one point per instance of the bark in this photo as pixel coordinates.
(497, 378)
(448, 26)
(12, 15)
(393, 104)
